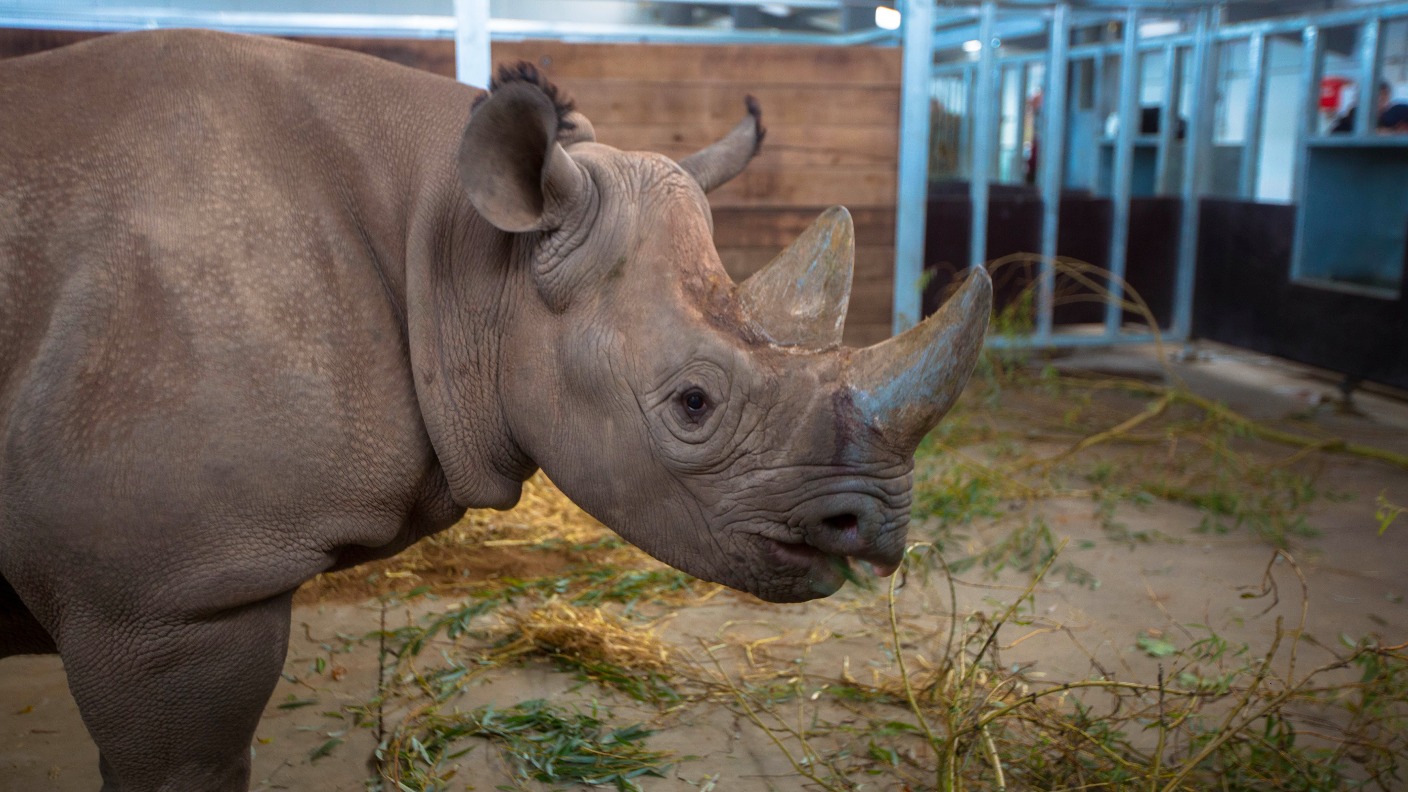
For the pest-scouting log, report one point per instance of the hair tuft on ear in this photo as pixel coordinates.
(756, 111)
(515, 170)
(525, 72)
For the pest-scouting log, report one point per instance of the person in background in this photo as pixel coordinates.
(1392, 116)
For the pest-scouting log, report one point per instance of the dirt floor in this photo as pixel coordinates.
(1180, 548)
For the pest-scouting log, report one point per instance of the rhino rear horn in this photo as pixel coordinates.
(717, 163)
(903, 386)
(516, 173)
(800, 298)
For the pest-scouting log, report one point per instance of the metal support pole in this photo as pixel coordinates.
(472, 59)
(1366, 116)
(985, 110)
(1307, 128)
(1124, 172)
(1203, 79)
(1052, 156)
(1024, 75)
(1168, 121)
(965, 129)
(913, 177)
(1098, 100)
(1256, 89)
(1308, 125)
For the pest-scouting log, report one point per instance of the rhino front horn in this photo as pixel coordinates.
(799, 299)
(903, 386)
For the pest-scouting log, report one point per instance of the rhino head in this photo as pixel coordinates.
(721, 427)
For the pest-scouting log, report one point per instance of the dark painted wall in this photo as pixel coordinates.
(1244, 296)
(1243, 293)
(1014, 226)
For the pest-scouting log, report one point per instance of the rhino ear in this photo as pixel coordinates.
(718, 162)
(516, 173)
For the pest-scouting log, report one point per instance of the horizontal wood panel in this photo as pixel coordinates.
(784, 147)
(863, 334)
(832, 116)
(720, 105)
(831, 139)
(776, 228)
(759, 186)
(748, 65)
(15, 42)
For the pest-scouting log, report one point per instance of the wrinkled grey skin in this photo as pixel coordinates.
(268, 310)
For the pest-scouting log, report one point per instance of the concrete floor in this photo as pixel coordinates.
(1359, 581)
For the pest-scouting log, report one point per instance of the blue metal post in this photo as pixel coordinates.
(1308, 125)
(917, 77)
(965, 129)
(1168, 119)
(1256, 88)
(1022, 73)
(1124, 171)
(1367, 114)
(1099, 100)
(1052, 156)
(472, 59)
(1202, 78)
(984, 134)
(1307, 128)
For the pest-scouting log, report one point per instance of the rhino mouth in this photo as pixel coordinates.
(832, 538)
(833, 565)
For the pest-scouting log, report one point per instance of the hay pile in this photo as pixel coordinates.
(589, 636)
(543, 533)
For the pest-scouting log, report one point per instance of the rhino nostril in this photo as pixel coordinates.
(841, 522)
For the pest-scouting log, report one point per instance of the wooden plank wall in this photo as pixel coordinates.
(832, 116)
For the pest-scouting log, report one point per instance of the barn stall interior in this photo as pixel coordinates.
(1158, 542)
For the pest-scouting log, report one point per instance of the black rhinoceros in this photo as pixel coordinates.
(269, 309)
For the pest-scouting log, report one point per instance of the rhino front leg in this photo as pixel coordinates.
(173, 705)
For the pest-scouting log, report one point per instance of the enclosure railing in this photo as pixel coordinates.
(1191, 56)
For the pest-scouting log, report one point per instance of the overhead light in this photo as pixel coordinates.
(775, 9)
(887, 18)
(972, 45)
(1160, 27)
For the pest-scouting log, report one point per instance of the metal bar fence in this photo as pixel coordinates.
(1202, 76)
(1123, 176)
(1252, 122)
(913, 177)
(1052, 157)
(1200, 45)
(984, 107)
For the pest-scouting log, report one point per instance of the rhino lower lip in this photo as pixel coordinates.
(882, 569)
(807, 555)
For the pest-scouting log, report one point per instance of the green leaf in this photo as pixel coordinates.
(296, 703)
(1156, 647)
(324, 749)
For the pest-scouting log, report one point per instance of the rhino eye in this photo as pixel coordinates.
(695, 403)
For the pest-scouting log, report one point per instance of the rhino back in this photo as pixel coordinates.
(202, 269)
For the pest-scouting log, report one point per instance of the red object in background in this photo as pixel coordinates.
(1331, 90)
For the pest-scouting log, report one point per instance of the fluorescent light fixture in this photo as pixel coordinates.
(887, 18)
(972, 45)
(1160, 27)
